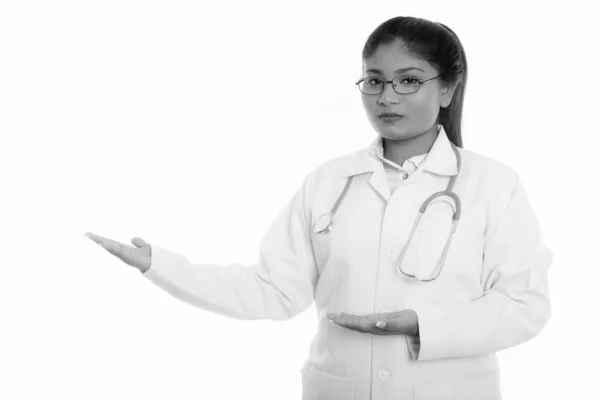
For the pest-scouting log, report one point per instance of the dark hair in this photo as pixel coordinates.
(438, 45)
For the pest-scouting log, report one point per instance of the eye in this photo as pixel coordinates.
(374, 81)
(414, 80)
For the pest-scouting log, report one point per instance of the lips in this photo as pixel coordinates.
(389, 115)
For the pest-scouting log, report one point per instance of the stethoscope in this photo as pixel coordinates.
(327, 219)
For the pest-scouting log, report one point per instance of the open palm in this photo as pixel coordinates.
(138, 256)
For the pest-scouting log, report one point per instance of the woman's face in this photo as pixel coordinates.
(419, 110)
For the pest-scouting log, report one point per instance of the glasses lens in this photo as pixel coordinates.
(406, 85)
(371, 85)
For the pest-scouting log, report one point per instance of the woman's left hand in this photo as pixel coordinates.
(403, 322)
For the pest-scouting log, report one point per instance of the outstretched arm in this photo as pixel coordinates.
(279, 286)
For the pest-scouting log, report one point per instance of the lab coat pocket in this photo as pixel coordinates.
(463, 389)
(319, 385)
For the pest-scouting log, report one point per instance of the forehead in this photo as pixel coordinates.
(390, 57)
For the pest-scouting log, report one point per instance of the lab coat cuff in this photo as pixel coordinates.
(163, 265)
(429, 344)
(414, 346)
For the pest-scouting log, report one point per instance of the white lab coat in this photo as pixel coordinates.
(492, 292)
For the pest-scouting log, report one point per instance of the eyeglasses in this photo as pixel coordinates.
(373, 85)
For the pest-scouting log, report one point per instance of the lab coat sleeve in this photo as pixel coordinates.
(515, 305)
(278, 287)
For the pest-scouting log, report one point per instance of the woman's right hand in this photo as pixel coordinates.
(138, 256)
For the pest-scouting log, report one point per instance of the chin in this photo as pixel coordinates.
(393, 131)
(384, 128)
(397, 135)
(392, 136)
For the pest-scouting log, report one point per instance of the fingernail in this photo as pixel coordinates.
(380, 324)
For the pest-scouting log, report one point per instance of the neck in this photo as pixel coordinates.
(401, 150)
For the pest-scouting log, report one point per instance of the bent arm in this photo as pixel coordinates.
(516, 303)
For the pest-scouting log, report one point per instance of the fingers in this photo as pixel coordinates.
(100, 239)
(365, 323)
(113, 245)
(115, 248)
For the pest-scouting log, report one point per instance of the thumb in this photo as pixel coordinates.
(139, 242)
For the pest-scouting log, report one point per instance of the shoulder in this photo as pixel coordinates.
(493, 181)
(488, 171)
(337, 167)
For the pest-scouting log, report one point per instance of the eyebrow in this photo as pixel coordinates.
(398, 71)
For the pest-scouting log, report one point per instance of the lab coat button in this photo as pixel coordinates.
(383, 375)
(405, 176)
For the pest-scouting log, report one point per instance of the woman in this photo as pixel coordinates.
(415, 293)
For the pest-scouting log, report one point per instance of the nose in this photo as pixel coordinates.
(388, 95)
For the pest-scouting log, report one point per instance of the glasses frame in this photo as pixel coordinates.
(391, 82)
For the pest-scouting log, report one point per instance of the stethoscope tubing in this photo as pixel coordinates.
(455, 218)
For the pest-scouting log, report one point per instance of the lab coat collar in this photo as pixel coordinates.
(440, 160)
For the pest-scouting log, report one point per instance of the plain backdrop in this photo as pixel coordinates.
(191, 124)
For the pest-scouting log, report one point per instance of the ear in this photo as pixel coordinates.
(446, 94)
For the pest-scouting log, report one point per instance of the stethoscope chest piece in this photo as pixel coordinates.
(324, 224)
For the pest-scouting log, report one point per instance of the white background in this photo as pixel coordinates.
(191, 124)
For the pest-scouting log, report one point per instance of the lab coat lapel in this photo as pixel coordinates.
(365, 161)
(379, 182)
(440, 160)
